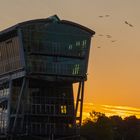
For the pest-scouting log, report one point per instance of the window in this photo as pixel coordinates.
(70, 125)
(36, 128)
(70, 47)
(36, 108)
(50, 108)
(9, 55)
(63, 109)
(54, 47)
(4, 92)
(50, 128)
(84, 43)
(76, 69)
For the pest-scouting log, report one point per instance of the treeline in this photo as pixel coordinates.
(100, 127)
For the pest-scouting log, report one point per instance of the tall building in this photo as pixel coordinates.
(40, 60)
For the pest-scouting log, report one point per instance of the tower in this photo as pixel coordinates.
(40, 61)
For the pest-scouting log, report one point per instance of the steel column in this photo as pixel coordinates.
(9, 104)
(18, 104)
(79, 103)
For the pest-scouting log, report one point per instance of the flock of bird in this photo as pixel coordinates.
(128, 24)
(109, 36)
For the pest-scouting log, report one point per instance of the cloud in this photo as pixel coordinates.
(111, 110)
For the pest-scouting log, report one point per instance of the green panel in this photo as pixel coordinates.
(10, 55)
(56, 49)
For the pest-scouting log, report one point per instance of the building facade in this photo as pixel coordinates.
(40, 60)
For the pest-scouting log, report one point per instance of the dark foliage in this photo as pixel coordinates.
(101, 127)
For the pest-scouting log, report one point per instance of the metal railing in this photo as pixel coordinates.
(55, 68)
(10, 64)
(56, 48)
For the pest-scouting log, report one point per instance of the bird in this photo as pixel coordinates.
(107, 15)
(100, 35)
(128, 24)
(100, 16)
(108, 36)
(104, 16)
(113, 40)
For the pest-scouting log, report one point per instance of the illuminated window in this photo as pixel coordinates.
(76, 69)
(70, 125)
(84, 43)
(63, 109)
(70, 47)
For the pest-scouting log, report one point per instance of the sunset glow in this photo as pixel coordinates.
(113, 84)
(109, 110)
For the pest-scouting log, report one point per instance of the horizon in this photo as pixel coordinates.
(109, 110)
(114, 71)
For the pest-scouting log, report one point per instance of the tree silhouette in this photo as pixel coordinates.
(132, 128)
(100, 127)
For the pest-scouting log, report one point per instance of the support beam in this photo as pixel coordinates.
(77, 100)
(82, 98)
(9, 104)
(79, 103)
(18, 105)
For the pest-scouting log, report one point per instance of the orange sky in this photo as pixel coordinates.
(110, 110)
(114, 70)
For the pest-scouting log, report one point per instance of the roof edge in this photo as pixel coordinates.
(78, 25)
(53, 18)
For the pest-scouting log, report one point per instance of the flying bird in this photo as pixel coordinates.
(113, 41)
(104, 16)
(100, 16)
(100, 35)
(108, 36)
(128, 24)
(107, 15)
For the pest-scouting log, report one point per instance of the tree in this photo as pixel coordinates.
(97, 127)
(100, 127)
(117, 127)
(103, 128)
(132, 128)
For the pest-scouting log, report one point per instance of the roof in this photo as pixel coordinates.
(50, 19)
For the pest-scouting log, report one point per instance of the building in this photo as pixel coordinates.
(40, 60)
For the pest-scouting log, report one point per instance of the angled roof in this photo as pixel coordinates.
(50, 19)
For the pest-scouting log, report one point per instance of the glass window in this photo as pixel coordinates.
(70, 47)
(76, 69)
(63, 109)
(84, 44)
(50, 108)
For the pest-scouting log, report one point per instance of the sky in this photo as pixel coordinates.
(114, 69)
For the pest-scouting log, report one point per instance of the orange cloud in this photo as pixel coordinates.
(110, 110)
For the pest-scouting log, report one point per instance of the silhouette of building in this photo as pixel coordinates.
(40, 60)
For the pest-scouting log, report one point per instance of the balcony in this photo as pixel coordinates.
(54, 68)
(56, 49)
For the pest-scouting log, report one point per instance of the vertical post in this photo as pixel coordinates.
(22, 58)
(82, 98)
(24, 103)
(18, 105)
(77, 99)
(79, 102)
(9, 104)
